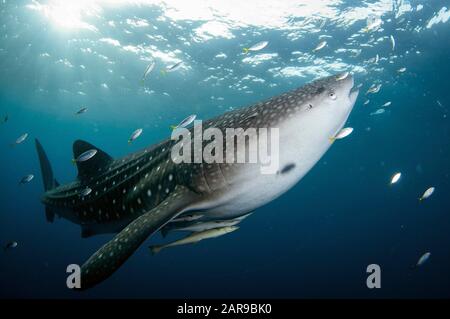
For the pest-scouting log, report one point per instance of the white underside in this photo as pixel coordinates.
(304, 139)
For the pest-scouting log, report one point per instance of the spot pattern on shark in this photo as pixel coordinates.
(139, 194)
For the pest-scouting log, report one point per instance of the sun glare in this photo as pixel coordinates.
(68, 14)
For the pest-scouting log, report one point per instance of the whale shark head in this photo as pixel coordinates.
(322, 106)
(333, 95)
(314, 113)
(333, 91)
(305, 118)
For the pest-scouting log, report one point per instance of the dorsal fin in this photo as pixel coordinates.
(92, 166)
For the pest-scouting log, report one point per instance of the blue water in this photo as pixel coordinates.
(313, 242)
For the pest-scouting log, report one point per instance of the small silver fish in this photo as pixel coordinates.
(256, 47)
(401, 70)
(366, 102)
(11, 244)
(186, 218)
(378, 112)
(86, 156)
(85, 192)
(423, 259)
(149, 69)
(26, 179)
(427, 193)
(21, 139)
(320, 46)
(135, 135)
(386, 104)
(374, 89)
(185, 122)
(202, 226)
(172, 68)
(305, 22)
(81, 111)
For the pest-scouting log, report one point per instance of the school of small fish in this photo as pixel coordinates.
(202, 230)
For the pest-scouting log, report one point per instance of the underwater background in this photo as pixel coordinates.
(316, 240)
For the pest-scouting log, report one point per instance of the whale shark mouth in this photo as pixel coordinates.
(353, 93)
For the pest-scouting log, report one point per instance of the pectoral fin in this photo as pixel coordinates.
(113, 254)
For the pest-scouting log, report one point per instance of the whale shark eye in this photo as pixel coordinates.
(332, 95)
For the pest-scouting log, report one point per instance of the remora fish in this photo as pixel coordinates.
(198, 226)
(195, 238)
(392, 43)
(140, 193)
(186, 218)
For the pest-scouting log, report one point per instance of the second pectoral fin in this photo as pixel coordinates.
(113, 254)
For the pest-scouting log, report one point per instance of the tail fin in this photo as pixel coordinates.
(155, 249)
(46, 169)
(245, 50)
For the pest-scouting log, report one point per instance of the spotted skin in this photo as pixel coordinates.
(123, 190)
(137, 195)
(114, 253)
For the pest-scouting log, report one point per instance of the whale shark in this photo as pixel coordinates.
(138, 195)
